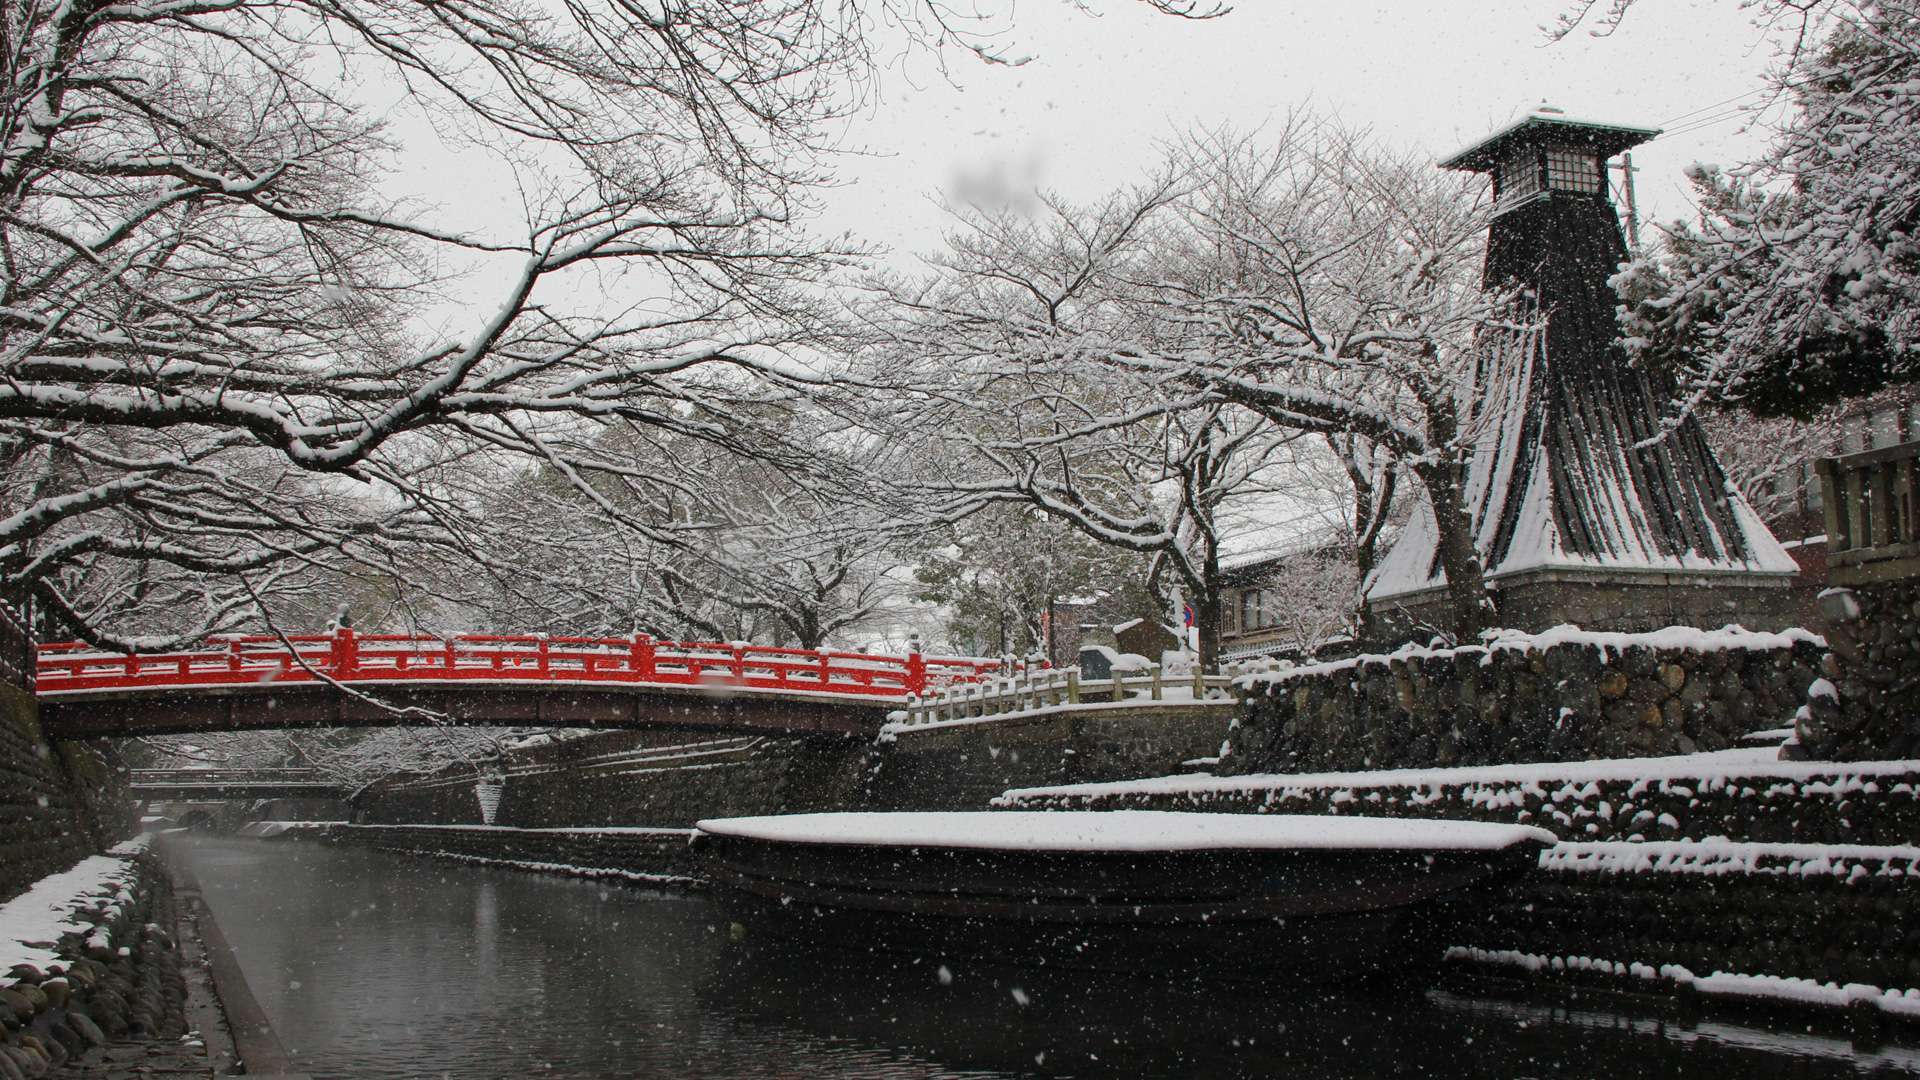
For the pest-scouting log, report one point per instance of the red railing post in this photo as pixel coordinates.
(739, 661)
(916, 673)
(643, 668)
(345, 657)
(233, 655)
(540, 664)
(826, 670)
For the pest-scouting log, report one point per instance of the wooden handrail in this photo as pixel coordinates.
(347, 657)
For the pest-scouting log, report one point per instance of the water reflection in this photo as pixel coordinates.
(376, 965)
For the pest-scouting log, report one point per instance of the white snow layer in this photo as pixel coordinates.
(32, 924)
(1679, 638)
(1705, 770)
(1719, 984)
(1126, 830)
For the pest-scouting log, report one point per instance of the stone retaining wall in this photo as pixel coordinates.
(1867, 709)
(1839, 920)
(655, 778)
(124, 980)
(1783, 870)
(1629, 799)
(1565, 695)
(671, 780)
(963, 764)
(56, 805)
(646, 856)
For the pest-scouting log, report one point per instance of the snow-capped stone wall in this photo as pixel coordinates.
(1793, 881)
(85, 958)
(1562, 695)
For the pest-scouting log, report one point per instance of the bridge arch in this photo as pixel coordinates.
(344, 679)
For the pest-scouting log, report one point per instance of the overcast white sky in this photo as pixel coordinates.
(1087, 112)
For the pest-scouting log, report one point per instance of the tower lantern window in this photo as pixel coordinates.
(1519, 175)
(1573, 169)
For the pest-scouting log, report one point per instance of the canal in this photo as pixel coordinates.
(378, 965)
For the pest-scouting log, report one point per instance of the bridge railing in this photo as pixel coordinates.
(348, 657)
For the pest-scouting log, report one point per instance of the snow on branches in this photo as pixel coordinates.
(1798, 284)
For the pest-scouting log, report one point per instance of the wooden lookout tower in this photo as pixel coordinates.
(1586, 509)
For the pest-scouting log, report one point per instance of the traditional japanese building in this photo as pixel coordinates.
(1589, 506)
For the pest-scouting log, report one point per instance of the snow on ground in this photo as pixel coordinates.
(1717, 857)
(1126, 830)
(1899, 1002)
(1709, 769)
(32, 924)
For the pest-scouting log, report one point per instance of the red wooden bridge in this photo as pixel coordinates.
(344, 679)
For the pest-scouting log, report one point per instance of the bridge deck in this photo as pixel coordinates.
(348, 680)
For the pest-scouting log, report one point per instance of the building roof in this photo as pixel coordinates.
(1607, 139)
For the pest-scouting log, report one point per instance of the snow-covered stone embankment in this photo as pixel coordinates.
(86, 959)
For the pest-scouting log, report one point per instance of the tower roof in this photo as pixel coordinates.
(1547, 121)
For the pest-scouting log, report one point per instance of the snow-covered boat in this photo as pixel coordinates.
(1222, 894)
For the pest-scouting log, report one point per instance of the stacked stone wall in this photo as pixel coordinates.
(1857, 922)
(56, 805)
(1564, 696)
(629, 778)
(1628, 800)
(1868, 708)
(120, 978)
(962, 765)
(1795, 870)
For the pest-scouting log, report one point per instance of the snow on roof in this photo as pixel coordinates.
(1612, 137)
(1663, 508)
(1126, 830)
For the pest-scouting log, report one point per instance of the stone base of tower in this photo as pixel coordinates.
(1537, 600)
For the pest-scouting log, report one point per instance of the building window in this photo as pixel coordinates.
(1573, 170)
(1250, 614)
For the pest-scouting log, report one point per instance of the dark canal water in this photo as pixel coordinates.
(374, 965)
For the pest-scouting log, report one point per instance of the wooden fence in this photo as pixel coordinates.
(1870, 500)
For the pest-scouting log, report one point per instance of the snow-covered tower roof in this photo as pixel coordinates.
(1574, 488)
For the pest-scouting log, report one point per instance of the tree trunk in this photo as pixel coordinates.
(1469, 609)
(1206, 614)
